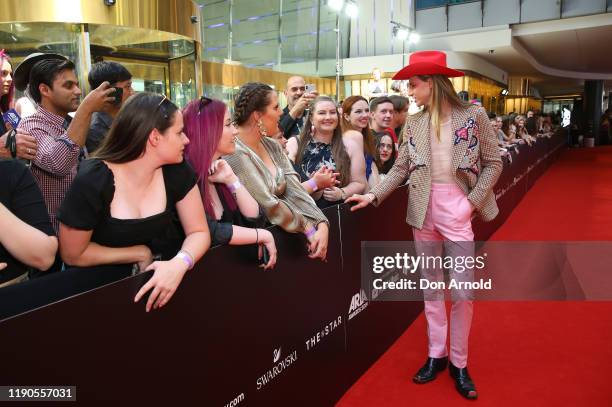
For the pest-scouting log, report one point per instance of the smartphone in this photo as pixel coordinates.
(265, 256)
(311, 88)
(118, 94)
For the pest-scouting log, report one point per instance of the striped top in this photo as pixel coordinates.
(56, 161)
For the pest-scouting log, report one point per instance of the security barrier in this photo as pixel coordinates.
(299, 335)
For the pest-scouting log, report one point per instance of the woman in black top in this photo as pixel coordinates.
(227, 203)
(26, 235)
(120, 207)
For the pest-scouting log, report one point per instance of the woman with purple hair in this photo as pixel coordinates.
(227, 203)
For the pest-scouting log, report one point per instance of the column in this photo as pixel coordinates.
(593, 101)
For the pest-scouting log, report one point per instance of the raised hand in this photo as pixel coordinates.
(221, 172)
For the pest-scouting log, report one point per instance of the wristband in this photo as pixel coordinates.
(310, 232)
(186, 257)
(312, 184)
(234, 186)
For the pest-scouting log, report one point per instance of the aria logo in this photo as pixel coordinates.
(359, 302)
(278, 368)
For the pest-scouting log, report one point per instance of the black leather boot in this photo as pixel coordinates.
(430, 370)
(463, 381)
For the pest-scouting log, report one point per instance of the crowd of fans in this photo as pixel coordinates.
(515, 129)
(130, 179)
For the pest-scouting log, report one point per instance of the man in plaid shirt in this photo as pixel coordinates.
(54, 86)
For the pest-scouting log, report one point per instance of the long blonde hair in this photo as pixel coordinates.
(442, 92)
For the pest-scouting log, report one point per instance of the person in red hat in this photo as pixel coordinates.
(449, 153)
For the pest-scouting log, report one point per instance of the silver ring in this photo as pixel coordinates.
(29, 151)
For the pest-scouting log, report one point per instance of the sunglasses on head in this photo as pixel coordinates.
(159, 106)
(203, 102)
(164, 98)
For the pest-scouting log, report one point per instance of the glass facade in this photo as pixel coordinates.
(289, 36)
(21, 39)
(421, 4)
(284, 35)
(159, 61)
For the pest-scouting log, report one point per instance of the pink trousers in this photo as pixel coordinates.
(447, 226)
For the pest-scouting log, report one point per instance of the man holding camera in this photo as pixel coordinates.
(52, 82)
(119, 78)
(298, 99)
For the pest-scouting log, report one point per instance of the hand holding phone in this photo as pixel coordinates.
(265, 255)
(311, 88)
(118, 95)
(266, 249)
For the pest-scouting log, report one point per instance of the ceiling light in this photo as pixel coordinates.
(402, 34)
(351, 9)
(335, 5)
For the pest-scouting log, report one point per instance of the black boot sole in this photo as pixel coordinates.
(471, 395)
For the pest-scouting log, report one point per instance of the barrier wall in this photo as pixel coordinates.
(233, 334)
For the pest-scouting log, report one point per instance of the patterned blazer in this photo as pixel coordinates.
(475, 159)
(283, 199)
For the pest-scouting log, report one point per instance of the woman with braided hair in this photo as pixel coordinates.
(266, 172)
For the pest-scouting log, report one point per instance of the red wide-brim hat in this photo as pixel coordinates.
(426, 63)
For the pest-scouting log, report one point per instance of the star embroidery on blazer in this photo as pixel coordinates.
(464, 132)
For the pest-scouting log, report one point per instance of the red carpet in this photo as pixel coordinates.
(523, 353)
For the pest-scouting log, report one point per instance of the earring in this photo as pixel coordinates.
(312, 130)
(262, 128)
